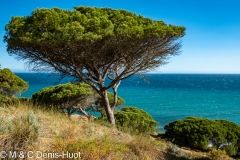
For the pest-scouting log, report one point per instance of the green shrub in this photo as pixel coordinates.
(135, 120)
(71, 97)
(58, 94)
(10, 83)
(229, 149)
(6, 100)
(218, 155)
(24, 100)
(132, 120)
(198, 132)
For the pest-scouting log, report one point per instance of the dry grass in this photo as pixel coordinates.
(59, 133)
(219, 155)
(145, 148)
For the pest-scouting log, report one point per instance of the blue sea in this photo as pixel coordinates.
(168, 97)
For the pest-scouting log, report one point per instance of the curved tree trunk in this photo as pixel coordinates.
(107, 107)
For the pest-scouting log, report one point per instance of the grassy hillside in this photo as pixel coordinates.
(26, 128)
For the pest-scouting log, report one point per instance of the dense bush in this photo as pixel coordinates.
(69, 97)
(61, 93)
(8, 100)
(10, 83)
(132, 120)
(217, 154)
(200, 132)
(72, 97)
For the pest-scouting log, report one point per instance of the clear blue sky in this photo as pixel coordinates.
(211, 44)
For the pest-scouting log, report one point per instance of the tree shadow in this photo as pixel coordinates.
(169, 156)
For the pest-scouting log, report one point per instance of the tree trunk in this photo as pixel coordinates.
(109, 111)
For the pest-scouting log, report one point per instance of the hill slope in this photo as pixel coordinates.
(33, 131)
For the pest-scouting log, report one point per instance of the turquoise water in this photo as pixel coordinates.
(168, 97)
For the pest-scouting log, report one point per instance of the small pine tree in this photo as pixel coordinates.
(10, 84)
(72, 97)
(198, 132)
(132, 120)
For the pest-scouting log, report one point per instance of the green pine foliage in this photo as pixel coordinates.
(6, 100)
(83, 23)
(10, 83)
(61, 93)
(70, 95)
(135, 120)
(198, 132)
(132, 120)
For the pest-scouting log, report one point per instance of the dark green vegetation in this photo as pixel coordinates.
(72, 97)
(6, 100)
(10, 84)
(133, 120)
(199, 132)
(92, 45)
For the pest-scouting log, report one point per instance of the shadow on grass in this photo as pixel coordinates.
(169, 156)
(173, 152)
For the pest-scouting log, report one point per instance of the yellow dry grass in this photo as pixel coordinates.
(60, 132)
